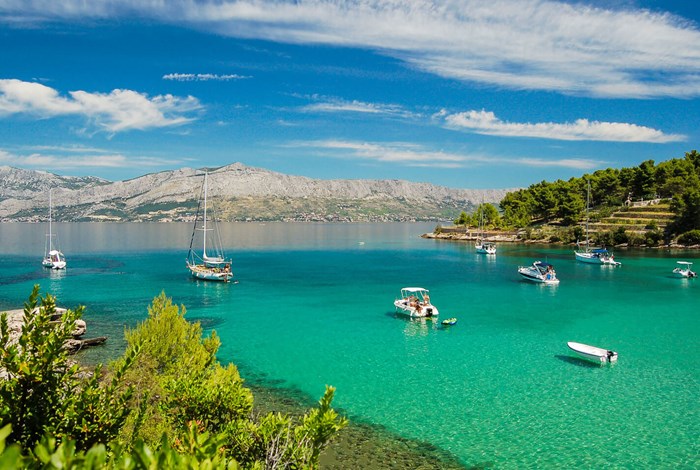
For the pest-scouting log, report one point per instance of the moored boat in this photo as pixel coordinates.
(205, 266)
(540, 272)
(683, 271)
(593, 353)
(593, 255)
(53, 257)
(415, 302)
(486, 248)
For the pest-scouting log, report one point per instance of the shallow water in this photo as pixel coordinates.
(314, 307)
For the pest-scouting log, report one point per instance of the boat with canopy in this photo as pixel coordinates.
(415, 302)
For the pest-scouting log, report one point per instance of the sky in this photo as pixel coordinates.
(459, 93)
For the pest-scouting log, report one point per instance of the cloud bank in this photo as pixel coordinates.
(571, 48)
(202, 77)
(486, 122)
(416, 156)
(68, 159)
(117, 111)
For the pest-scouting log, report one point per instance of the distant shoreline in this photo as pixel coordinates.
(513, 237)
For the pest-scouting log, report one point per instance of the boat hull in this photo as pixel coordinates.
(592, 258)
(404, 307)
(683, 273)
(593, 353)
(529, 275)
(210, 274)
(486, 250)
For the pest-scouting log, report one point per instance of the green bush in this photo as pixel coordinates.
(45, 393)
(689, 238)
(168, 380)
(653, 238)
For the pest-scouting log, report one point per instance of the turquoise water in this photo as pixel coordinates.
(314, 307)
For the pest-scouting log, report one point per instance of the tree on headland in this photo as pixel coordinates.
(677, 179)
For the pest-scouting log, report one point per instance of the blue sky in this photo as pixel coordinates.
(461, 93)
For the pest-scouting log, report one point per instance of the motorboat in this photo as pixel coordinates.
(589, 255)
(540, 271)
(415, 302)
(593, 353)
(53, 258)
(683, 270)
(212, 266)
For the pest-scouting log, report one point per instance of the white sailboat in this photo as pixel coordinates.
(481, 246)
(593, 255)
(53, 258)
(213, 266)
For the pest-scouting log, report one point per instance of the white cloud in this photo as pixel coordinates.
(568, 47)
(414, 155)
(68, 160)
(486, 122)
(202, 77)
(336, 105)
(117, 111)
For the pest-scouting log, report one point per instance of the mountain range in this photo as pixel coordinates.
(238, 192)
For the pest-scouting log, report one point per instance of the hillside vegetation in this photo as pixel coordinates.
(644, 205)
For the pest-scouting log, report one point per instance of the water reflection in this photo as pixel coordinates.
(86, 237)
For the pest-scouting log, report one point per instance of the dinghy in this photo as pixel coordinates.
(592, 353)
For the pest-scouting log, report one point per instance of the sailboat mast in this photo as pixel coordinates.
(588, 206)
(50, 233)
(204, 226)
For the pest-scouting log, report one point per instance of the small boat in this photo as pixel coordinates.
(541, 272)
(592, 353)
(683, 270)
(593, 255)
(449, 321)
(204, 266)
(415, 302)
(53, 258)
(596, 256)
(487, 248)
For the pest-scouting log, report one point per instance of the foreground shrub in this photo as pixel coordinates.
(44, 393)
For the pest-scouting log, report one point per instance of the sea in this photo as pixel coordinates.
(313, 306)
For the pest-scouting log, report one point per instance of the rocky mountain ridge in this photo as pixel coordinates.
(239, 192)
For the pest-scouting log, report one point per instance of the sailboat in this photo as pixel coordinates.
(53, 258)
(482, 246)
(593, 255)
(212, 266)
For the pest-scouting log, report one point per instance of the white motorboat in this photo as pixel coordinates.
(683, 270)
(415, 302)
(593, 255)
(53, 258)
(205, 266)
(592, 353)
(541, 272)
